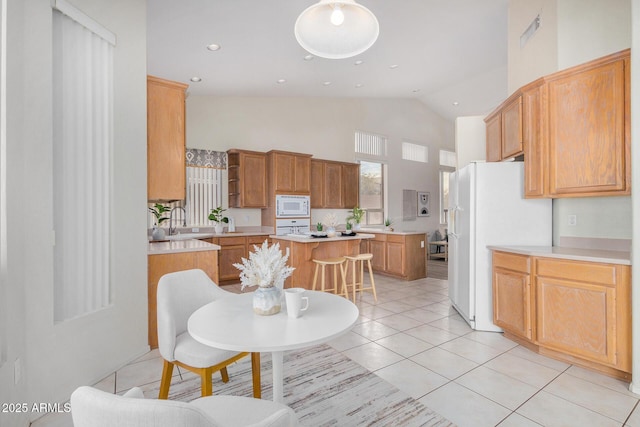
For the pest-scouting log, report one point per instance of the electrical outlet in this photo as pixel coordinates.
(17, 371)
(573, 220)
(422, 243)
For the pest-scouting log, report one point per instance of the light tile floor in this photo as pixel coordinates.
(413, 339)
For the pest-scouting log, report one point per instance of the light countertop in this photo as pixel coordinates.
(308, 239)
(576, 254)
(177, 246)
(383, 231)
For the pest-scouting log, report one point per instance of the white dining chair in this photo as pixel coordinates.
(91, 407)
(179, 295)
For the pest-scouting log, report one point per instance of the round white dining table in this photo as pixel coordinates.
(230, 324)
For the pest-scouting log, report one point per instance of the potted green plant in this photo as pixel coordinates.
(387, 224)
(319, 226)
(356, 214)
(158, 210)
(349, 226)
(217, 217)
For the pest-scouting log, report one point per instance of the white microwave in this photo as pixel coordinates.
(293, 206)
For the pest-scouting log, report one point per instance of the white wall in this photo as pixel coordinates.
(57, 358)
(324, 127)
(572, 32)
(471, 139)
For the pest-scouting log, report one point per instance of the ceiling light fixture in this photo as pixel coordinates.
(196, 79)
(213, 47)
(336, 29)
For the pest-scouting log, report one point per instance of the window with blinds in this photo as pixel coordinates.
(82, 146)
(371, 144)
(415, 152)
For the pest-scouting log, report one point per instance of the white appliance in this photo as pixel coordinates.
(293, 226)
(487, 207)
(293, 206)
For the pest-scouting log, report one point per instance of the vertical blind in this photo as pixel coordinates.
(82, 144)
(3, 181)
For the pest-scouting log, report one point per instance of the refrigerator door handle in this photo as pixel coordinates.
(453, 224)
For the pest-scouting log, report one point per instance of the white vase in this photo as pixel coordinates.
(356, 226)
(267, 301)
(158, 233)
(219, 228)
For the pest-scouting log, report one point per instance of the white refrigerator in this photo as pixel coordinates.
(487, 207)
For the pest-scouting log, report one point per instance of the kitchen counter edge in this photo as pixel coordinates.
(179, 246)
(323, 239)
(575, 254)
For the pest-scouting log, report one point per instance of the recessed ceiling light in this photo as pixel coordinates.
(456, 103)
(213, 47)
(281, 81)
(326, 83)
(196, 79)
(359, 85)
(394, 66)
(358, 62)
(309, 57)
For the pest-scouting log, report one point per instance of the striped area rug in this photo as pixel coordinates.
(324, 388)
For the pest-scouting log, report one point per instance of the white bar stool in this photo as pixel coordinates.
(355, 259)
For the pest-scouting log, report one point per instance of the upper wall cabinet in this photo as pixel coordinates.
(589, 126)
(247, 179)
(336, 185)
(573, 128)
(166, 174)
(289, 173)
(504, 131)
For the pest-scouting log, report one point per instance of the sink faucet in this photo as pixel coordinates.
(184, 219)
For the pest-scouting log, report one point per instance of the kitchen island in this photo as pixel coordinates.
(303, 250)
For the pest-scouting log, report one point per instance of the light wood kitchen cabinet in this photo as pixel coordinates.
(534, 138)
(576, 311)
(247, 173)
(399, 255)
(512, 294)
(166, 157)
(573, 129)
(504, 130)
(232, 250)
(290, 173)
(317, 184)
(335, 185)
(378, 247)
(494, 137)
(350, 185)
(161, 264)
(584, 310)
(589, 129)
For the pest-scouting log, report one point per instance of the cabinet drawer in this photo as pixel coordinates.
(395, 238)
(513, 262)
(604, 274)
(380, 237)
(256, 240)
(232, 241)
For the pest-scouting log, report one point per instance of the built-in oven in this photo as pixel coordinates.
(293, 206)
(300, 226)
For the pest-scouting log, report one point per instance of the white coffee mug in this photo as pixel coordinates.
(294, 300)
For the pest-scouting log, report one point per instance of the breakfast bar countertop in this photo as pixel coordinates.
(576, 254)
(309, 239)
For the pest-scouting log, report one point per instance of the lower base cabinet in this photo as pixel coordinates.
(161, 264)
(398, 255)
(576, 311)
(232, 250)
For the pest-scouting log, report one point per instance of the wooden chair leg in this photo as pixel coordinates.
(165, 383)
(255, 372)
(205, 380)
(373, 284)
(224, 374)
(315, 278)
